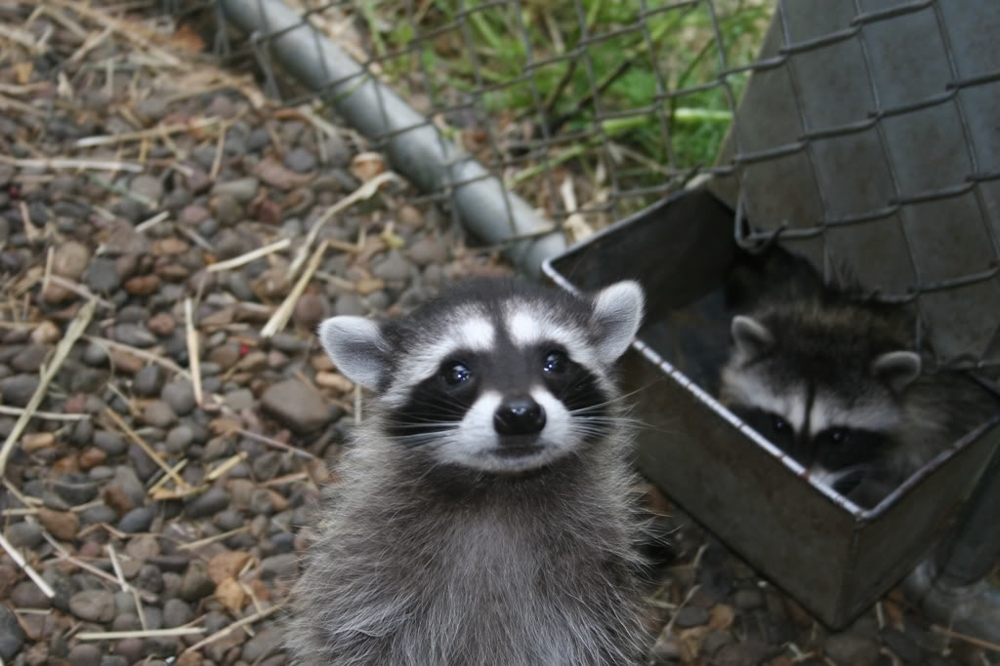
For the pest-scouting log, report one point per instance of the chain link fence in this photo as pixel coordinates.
(585, 111)
(869, 140)
(861, 131)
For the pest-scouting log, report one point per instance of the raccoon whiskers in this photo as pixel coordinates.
(414, 440)
(597, 415)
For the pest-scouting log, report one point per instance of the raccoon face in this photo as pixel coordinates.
(495, 375)
(834, 416)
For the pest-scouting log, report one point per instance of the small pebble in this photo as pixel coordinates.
(24, 534)
(27, 594)
(300, 160)
(310, 310)
(243, 190)
(179, 439)
(196, 583)
(147, 186)
(93, 605)
(111, 443)
(95, 354)
(240, 399)
(159, 414)
(266, 642)
(209, 503)
(296, 406)
(394, 268)
(84, 655)
(176, 613)
(149, 381)
(102, 275)
(70, 260)
(162, 324)
(18, 390)
(348, 304)
(11, 635)
(61, 524)
(137, 520)
(179, 394)
(428, 251)
(134, 335)
(282, 567)
(30, 359)
(691, 616)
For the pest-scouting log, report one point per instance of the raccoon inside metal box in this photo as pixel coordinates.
(833, 557)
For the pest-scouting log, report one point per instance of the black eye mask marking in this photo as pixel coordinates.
(439, 403)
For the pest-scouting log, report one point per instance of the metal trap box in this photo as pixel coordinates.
(831, 556)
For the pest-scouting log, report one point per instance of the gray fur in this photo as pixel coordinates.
(422, 564)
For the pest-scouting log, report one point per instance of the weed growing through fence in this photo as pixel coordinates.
(624, 90)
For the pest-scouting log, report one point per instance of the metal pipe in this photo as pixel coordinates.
(415, 147)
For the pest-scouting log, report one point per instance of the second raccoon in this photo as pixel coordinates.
(831, 379)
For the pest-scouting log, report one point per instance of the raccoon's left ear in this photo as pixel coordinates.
(897, 369)
(617, 316)
(358, 349)
(750, 336)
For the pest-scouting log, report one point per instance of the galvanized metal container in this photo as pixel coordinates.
(833, 557)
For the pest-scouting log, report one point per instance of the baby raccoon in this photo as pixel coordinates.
(831, 380)
(484, 515)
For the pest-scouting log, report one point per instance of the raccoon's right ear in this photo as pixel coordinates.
(357, 347)
(897, 369)
(617, 316)
(751, 337)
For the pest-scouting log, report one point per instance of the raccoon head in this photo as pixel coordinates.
(495, 375)
(822, 387)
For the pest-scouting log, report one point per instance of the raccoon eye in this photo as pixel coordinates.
(555, 363)
(839, 435)
(779, 424)
(455, 374)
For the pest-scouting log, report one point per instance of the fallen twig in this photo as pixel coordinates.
(80, 290)
(366, 191)
(60, 163)
(244, 259)
(275, 443)
(965, 638)
(226, 466)
(225, 631)
(150, 451)
(64, 554)
(192, 545)
(51, 416)
(152, 133)
(281, 316)
(74, 332)
(141, 353)
(147, 633)
(146, 225)
(32, 574)
(193, 354)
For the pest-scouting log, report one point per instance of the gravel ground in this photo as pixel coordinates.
(176, 517)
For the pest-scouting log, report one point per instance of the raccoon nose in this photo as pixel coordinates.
(519, 416)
